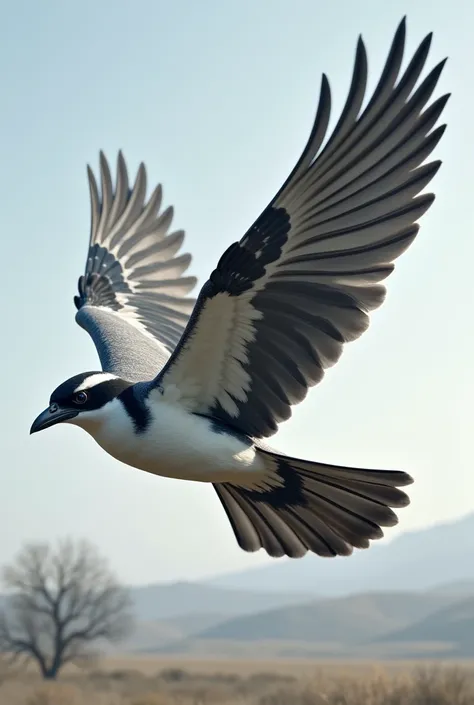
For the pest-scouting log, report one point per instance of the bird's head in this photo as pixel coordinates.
(80, 400)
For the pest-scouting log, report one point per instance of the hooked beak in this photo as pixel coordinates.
(51, 416)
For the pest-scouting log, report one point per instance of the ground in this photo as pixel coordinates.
(159, 681)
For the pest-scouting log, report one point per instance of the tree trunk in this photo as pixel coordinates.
(50, 674)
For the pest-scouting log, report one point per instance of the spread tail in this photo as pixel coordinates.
(302, 506)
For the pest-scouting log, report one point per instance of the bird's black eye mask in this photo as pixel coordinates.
(67, 395)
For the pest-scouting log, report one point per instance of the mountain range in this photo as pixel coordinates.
(392, 600)
(176, 600)
(369, 625)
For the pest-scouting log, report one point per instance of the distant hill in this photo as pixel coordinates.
(429, 625)
(401, 599)
(155, 634)
(167, 601)
(379, 624)
(418, 560)
(453, 624)
(458, 588)
(349, 620)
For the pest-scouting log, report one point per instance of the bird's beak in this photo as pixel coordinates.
(51, 416)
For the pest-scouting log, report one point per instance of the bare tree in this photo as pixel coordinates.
(59, 602)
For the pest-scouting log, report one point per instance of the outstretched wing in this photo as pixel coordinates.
(282, 302)
(132, 298)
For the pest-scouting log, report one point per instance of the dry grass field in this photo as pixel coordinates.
(159, 682)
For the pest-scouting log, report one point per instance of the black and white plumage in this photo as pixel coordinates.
(188, 389)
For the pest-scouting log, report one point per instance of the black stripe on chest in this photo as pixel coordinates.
(136, 409)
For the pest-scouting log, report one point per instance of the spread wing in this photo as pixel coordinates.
(132, 298)
(282, 302)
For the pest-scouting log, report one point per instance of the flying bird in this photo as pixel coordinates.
(191, 388)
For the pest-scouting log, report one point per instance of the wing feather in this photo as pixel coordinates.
(281, 303)
(133, 295)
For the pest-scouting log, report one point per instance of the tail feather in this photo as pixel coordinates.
(301, 506)
(269, 531)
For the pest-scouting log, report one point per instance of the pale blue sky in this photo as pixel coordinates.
(217, 98)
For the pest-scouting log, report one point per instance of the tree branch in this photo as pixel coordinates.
(62, 601)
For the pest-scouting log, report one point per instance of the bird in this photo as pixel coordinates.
(193, 388)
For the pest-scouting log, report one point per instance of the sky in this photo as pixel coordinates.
(217, 98)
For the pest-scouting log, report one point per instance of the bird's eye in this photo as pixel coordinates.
(80, 398)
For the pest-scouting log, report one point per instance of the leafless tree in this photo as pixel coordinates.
(60, 601)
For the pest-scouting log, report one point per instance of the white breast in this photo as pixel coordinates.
(176, 444)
